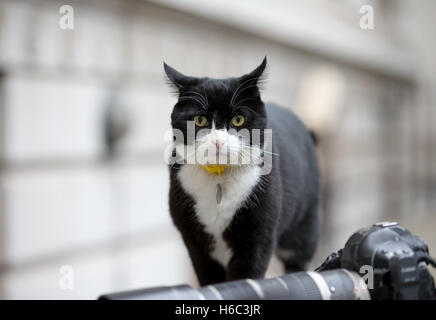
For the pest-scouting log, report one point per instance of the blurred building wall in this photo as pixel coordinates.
(64, 203)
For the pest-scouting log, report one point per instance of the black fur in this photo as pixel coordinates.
(286, 212)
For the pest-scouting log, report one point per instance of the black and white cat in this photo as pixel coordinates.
(233, 221)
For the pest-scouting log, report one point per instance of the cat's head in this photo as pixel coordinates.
(222, 113)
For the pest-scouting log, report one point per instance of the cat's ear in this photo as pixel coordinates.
(177, 79)
(255, 76)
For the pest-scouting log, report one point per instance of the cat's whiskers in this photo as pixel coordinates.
(237, 89)
(240, 101)
(245, 154)
(261, 150)
(193, 98)
(204, 100)
(205, 96)
(245, 88)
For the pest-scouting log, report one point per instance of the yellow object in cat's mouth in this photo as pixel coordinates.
(215, 168)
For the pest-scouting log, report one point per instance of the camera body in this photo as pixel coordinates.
(396, 258)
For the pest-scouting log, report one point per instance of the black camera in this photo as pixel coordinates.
(396, 259)
(382, 262)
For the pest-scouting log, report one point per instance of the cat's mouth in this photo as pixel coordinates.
(224, 155)
(205, 154)
(220, 158)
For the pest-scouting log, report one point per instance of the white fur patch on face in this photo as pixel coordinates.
(237, 184)
(216, 146)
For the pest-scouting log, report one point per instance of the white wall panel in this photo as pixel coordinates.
(48, 119)
(51, 211)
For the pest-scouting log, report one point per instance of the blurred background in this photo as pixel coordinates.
(83, 111)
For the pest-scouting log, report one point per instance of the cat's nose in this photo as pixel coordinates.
(218, 144)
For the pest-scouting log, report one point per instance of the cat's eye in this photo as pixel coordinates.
(238, 121)
(200, 121)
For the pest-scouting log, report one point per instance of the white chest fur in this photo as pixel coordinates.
(236, 183)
